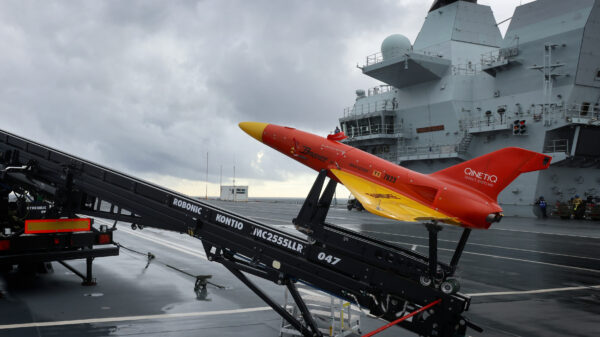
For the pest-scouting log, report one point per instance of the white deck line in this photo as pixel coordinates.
(194, 252)
(480, 244)
(132, 318)
(537, 291)
(486, 245)
(509, 258)
(166, 243)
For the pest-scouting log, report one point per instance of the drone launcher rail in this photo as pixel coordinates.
(371, 273)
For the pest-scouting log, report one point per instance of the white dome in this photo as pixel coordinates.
(395, 45)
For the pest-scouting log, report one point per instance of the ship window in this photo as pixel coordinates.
(585, 107)
(597, 74)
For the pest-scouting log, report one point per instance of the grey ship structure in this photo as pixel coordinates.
(461, 90)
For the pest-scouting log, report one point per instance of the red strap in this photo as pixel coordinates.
(402, 318)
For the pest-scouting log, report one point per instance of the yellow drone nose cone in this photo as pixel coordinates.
(254, 129)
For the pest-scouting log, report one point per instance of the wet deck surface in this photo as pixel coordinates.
(527, 277)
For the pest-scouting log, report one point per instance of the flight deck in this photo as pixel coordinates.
(525, 277)
(180, 266)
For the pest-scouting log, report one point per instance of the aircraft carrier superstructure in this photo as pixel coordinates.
(462, 90)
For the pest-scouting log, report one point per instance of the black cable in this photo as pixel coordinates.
(151, 257)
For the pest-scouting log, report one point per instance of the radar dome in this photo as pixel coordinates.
(395, 45)
(360, 93)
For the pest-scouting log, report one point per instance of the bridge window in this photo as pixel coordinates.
(585, 107)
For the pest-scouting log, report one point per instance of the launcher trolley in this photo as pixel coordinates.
(382, 278)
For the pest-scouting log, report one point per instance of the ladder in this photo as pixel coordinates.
(333, 316)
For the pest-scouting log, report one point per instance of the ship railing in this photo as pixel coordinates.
(537, 111)
(556, 146)
(372, 129)
(585, 113)
(585, 110)
(378, 57)
(496, 121)
(374, 59)
(370, 107)
(466, 69)
(391, 157)
(499, 55)
(396, 52)
(490, 57)
(380, 89)
(491, 121)
(428, 149)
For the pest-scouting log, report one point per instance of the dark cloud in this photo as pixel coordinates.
(149, 87)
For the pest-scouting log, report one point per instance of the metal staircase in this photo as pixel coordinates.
(463, 146)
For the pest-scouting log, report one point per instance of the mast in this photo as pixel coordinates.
(206, 191)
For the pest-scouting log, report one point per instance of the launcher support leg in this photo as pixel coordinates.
(308, 210)
(459, 249)
(308, 319)
(281, 311)
(325, 202)
(433, 229)
(89, 280)
(316, 205)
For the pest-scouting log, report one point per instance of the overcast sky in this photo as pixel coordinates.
(149, 87)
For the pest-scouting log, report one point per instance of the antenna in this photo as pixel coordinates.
(233, 182)
(206, 191)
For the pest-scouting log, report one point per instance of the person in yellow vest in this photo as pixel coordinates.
(576, 202)
(577, 207)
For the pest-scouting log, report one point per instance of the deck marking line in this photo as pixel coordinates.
(545, 233)
(485, 245)
(270, 219)
(531, 261)
(491, 229)
(164, 241)
(509, 258)
(132, 318)
(338, 218)
(169, 245)
(313, 293)
(537, 291)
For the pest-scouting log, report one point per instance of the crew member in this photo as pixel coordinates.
(577, 209)
(337, 129)
(576, 202)
(542, 205)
